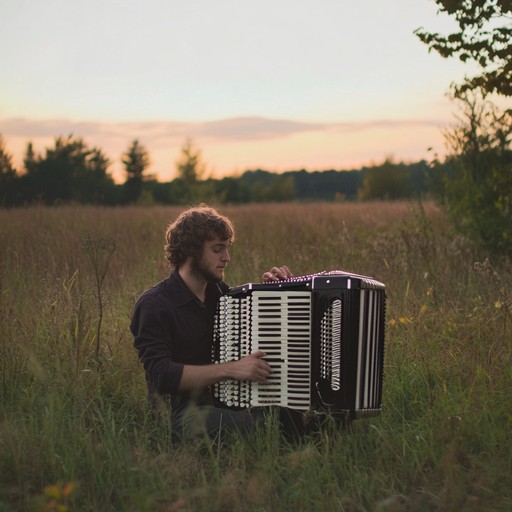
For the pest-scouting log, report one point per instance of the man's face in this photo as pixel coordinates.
(213, 261)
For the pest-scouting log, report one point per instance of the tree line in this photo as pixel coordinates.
(72, 172)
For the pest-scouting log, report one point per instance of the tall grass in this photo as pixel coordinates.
(75, 431)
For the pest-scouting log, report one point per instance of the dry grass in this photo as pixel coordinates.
(441, 443)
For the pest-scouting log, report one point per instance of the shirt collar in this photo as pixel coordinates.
(182, 293)
(179, 290)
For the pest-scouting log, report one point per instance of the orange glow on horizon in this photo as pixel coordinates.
(329, 149)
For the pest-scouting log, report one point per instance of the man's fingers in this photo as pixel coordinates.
(277, 274)
(263, 375)
(286, 271)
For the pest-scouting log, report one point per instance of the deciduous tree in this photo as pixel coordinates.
(484, 37)
(477, 177)
(70, 171)
(386, 181)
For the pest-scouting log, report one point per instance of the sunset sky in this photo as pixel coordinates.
(279, 85)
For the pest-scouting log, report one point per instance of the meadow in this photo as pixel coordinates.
(75, 430)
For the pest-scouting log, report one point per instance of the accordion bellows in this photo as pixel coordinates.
(323, 335)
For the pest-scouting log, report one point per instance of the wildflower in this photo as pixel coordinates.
(68, 489)
(52, 491)
(56, 495)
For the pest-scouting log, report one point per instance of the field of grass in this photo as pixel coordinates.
(75, 433)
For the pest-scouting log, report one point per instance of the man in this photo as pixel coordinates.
(172, 326)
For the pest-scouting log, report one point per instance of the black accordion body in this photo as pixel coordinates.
(323, 335)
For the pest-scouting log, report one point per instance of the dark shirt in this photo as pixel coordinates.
(171, 328)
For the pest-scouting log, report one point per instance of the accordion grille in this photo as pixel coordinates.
(330, 344)
(370, 355)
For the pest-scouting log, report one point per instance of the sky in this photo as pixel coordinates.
(278, 85)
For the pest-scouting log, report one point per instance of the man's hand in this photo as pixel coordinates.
(252, 367)
(276, 274)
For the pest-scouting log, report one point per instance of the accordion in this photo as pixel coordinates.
(323, 336)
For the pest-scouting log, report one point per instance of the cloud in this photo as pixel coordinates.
(248, 128)
(230, 130)
(21, 127)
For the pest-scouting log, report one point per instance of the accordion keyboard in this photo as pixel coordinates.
(287, 345)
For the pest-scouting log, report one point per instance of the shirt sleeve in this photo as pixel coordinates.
(151, 327)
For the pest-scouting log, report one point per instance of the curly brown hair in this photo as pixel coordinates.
(187, 234)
